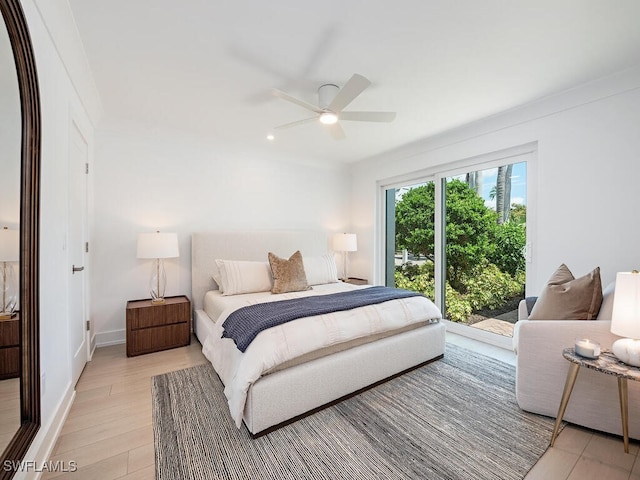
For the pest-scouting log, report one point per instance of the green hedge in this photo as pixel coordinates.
(485, 287)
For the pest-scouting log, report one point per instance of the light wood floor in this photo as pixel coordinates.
(109, 435)
(108, 432)
(9, 410)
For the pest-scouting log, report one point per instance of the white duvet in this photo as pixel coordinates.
(238, 371)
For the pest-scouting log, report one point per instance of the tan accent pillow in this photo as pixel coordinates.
(569, 298)
(288, 275)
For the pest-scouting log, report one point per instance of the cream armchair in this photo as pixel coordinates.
(541, 371)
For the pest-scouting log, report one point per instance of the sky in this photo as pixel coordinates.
(489, 176)
(518, 184)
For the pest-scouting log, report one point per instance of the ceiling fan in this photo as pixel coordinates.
(332, 100)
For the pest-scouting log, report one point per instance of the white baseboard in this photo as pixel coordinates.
(114, 337)
(91, 346)
(42, 446)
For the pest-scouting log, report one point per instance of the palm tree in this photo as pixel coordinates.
(474, 180)
(507, 194)
(503, 193)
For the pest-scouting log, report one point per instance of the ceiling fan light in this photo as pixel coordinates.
(328, 118)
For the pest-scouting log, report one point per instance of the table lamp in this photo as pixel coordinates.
(625, 319)
(345, 242)
(158, 246)
(9, 252)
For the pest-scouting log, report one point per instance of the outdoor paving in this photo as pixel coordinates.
(502, 324)
(494, 325)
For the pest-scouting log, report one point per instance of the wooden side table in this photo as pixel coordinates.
(606, 363)
(152, 327)
(10, 347)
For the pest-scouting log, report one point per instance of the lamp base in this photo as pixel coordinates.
(627, 350)
(7, 315)
(157, 301)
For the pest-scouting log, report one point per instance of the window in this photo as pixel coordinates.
(459, 237)
(410, 247)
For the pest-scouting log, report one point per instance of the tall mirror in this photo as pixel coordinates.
(10, 133)
(19, 258)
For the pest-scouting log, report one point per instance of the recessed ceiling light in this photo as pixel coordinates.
(271, 137)
(328, 118)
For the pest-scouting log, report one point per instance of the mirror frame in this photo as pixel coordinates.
(16, 24)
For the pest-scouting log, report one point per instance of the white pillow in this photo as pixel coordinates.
(239, 276)
(217, 277)
(320, 270)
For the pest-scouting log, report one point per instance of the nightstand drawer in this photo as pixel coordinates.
(10, 332)
(10, 348)
(158, 326)
(9, 362)
(149, 340)
(144, 314)
(158, 315)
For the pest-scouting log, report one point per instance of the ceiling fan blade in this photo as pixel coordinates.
(368, 116)
(336, 131)
(354, 87)
(297, 101)
(296, 123)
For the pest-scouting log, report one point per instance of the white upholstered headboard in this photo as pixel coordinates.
(245, 245)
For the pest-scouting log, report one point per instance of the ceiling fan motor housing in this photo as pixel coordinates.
(326, 94)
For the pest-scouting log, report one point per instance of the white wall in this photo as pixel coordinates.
(59, 102)
(147, 179)
(582, 190)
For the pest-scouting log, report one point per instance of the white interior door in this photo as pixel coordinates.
(77, 238)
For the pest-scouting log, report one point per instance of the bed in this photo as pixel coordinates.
(307, 380)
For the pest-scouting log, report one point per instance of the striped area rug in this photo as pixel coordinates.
(456, 418)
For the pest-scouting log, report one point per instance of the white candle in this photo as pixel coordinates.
(587, 348)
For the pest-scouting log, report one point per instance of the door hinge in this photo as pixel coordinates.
(86, 247)
(86, 168)
(88, 325)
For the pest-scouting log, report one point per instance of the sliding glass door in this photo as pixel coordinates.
(460, 239)
(485, 238)
(410, 238)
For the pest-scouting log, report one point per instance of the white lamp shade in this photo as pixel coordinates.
(625, 320)
(158, 245)
(9, 245)
(345, 242)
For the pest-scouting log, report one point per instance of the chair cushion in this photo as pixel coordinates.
(606, 309)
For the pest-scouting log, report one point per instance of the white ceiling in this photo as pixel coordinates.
(206, 66)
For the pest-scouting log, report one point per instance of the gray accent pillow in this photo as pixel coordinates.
(568, 298)
(288, 274)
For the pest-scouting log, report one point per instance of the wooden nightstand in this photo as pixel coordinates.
(10, 347)
(356, 281)
(154, 327)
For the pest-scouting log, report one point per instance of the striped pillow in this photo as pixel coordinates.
(320, 270)
(239, 276)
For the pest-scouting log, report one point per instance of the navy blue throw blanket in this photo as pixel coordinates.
(244, 324)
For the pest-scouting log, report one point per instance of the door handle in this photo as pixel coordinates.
(75, 269)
